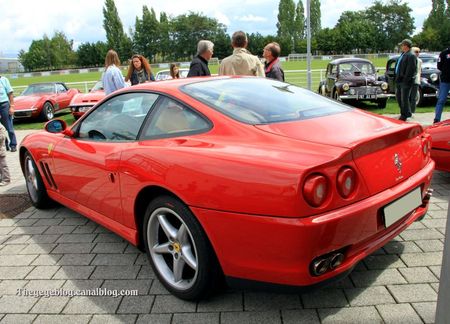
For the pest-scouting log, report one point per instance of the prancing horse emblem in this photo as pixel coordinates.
(398, 163)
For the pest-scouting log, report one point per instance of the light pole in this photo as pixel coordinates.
(308, 43)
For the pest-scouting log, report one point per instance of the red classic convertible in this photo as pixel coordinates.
(82, 102)
(440, 148)
(260, 181)
(42, 100)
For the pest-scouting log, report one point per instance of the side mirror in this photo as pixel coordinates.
(56, 126)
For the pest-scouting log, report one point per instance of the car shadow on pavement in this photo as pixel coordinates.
(59, 250)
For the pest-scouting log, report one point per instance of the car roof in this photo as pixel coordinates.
(173, 84)
(420, 55)
(349, 60)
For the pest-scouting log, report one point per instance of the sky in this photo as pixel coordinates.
(22, 21)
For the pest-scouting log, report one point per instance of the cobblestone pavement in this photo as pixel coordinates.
(59, 249)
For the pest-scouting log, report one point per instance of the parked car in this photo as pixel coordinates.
(82, 102)
(236, 176)
(429, 82)
(440, 147)
(354, 79)
(42, 100)
(165, 74)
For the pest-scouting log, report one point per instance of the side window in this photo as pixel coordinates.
(392, 66)
(118, 119)
(171, 118)
(334, 69)
(60, 88)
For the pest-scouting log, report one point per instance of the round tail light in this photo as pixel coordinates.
(315, 190)
(346, 182)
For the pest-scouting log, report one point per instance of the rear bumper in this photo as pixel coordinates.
(279, 250)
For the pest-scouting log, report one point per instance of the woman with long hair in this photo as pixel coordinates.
(174, 71)
(112, 77)
(139, 70)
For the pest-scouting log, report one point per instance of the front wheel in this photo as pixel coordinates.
(381, 103)
(47, 112)
(35, 186)
(179, 250)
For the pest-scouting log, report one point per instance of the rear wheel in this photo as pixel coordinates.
(179, 250)
(35, 186)
(322, 90)
(47, 112)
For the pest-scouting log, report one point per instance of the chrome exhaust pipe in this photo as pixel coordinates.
(336, 260)
(320, 266)
(427, 197)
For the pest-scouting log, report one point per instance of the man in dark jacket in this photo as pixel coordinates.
(444, 87)
(199, 65)
(272, 66)
(405, 74)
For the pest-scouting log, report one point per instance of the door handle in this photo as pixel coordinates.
(112, 178)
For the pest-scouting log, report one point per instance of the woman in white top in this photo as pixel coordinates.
(112, 77)
(415, 88)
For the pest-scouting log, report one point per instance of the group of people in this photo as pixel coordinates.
(241, 62)
(408, 70)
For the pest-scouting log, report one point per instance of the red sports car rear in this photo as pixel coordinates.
(265, 182)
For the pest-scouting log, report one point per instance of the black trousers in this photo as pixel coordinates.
(403, 93)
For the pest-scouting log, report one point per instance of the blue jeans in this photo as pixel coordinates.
(444, 88)
(7, 121)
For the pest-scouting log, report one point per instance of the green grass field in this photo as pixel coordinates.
(87, 80)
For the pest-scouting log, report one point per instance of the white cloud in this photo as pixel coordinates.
(222, 18)
(251, 18)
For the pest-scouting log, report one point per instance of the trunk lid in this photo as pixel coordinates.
(385, 151)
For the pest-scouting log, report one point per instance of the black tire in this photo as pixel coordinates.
(35, 186)
(381, 103)
(48, 112)
(185, 246)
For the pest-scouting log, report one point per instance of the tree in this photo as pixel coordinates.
(115, 35)
(165, 45)
(392, 22)
(147, 34)
(92, 54)
(188, 29)
(354, 33)
(327, 40)
(435, 35)
(316, 18)
(286, 23)
(48, 54)
(300, 22)
(62, 54)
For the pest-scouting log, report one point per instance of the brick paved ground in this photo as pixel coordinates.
(58, 248)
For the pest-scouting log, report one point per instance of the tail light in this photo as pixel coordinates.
(315, 189)
(426, 145)
(346, 182)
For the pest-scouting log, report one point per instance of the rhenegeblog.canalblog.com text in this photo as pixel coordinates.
(59, 292)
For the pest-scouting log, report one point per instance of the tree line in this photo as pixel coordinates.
(378, 28)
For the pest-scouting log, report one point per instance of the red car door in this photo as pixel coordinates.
(63, 96)
(86, 166)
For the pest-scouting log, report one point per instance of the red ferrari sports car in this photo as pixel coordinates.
(42, 100)
(256, 180)
(440, 148)
(82, 102)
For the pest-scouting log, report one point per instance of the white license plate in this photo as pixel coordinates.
(368, 96)
(402, 206)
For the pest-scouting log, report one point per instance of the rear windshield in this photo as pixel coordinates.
(262, 101)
